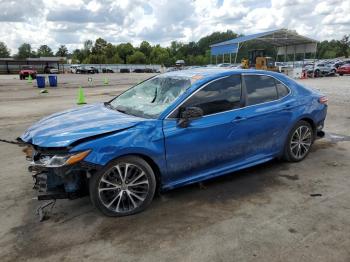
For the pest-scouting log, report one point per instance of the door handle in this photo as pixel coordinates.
(238, 119)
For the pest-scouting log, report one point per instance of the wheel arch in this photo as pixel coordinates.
(151, 162)
(310, 121)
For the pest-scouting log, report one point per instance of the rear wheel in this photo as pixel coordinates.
(124, 187)
(299, 142)
(317, 73)
(340, 74)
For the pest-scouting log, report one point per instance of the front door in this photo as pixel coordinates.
(209, 142)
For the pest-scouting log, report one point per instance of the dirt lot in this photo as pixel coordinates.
(274, 212)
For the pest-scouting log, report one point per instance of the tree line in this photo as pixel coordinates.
(194, 53)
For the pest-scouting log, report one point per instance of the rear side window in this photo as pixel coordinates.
(218, 96)
(260, 89)
(282, 90)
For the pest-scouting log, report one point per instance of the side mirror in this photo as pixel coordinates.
(189, 113)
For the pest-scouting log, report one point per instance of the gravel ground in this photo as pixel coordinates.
(273, 212)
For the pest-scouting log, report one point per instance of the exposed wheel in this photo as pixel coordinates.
(124, 187)
(340, 74)
(317, 73)
(20, 77)
(299, 142)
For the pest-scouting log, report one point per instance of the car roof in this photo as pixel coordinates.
(213, 72)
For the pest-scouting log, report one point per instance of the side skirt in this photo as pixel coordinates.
(214, 173)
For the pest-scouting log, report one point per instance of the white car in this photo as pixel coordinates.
(321, 69)
(73, 69)
(53, 70)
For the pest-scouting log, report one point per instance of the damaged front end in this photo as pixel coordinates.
(58, 173)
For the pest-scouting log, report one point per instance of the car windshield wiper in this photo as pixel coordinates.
(120, 110)
(107, 104)
(155, 95)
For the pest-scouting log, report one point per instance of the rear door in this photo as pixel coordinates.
(266, 115)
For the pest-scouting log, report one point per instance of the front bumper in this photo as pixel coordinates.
(69, 181)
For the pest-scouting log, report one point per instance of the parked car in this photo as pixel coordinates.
(50, 70)
(26, 71)
(81, 70)
(344, 69)
(92, 70)
(86, 70)
(321, 69)
(124, 70)
(73, 69)
(139, 70)
(172, 130)
(107, 70)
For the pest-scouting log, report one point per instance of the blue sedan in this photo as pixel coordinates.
(172, 130)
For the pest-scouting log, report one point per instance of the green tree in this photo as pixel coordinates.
(160, 55)
(24, 51)
(110, 51)
(100, 47)
(88, 45)
(62, 51)
(137, 58)
(124, 50)
(146, 48)
(344, 45)
(4, 51)
(116, 59)
(86, 50)
(95, 59)
(44, 51)
(216, 37)
(78, 55)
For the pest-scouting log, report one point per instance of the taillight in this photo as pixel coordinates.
(323, 100)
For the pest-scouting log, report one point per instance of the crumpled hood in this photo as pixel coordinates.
(64, 128)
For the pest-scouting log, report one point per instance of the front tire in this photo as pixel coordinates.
(299, 142)
(125, 186)
(317, 73)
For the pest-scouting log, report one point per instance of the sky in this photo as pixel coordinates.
(71, 22)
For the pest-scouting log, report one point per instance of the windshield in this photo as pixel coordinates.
(150, 98)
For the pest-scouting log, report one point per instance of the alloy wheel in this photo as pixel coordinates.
(301, 142)
(123, 188)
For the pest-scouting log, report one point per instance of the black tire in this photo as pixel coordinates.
(341, 74)
(20, 77)
(317, 73)
(121, 197)
(290, 154)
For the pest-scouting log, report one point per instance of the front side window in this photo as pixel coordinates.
(260, 89)
(218, 96)
(150, 98)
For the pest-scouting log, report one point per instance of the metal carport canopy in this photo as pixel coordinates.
(287, 42)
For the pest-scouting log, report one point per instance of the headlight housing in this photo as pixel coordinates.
(61, 160)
